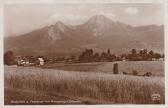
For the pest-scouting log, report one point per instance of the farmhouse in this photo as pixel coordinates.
(41, 61)
(29, 61)
(23, 61)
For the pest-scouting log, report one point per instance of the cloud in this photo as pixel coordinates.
(110, 15)
(131, 10)
(74, 19)
(66, 18)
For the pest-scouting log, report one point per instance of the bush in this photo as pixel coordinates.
(134, 72)
(148, 74)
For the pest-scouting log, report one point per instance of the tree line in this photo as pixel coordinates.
(142, 55)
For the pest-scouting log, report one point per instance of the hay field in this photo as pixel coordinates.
(155, 67)
(85, 87)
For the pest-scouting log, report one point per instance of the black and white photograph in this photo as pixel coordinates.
(84, 54)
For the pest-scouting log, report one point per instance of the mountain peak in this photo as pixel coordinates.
(99, 24)
(100, 18)
(60, 26)
(59, 23)
(54, 32)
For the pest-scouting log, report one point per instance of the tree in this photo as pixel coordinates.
(9, 58)
(157, 56)
(143, 53)
(103, 56)
(86, 56)
(109, 56)
(151, 55)
(133, 56)
(151, 52)
(133, 51)
(108, 52)
(96, 57)
(113, 57)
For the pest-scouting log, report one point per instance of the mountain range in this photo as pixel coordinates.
(99, 33)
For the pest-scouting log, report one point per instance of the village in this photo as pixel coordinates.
(87, 56)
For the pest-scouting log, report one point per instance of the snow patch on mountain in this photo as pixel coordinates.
(59, 25)
(53, 35)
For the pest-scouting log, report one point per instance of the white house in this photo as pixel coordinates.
(41, 61)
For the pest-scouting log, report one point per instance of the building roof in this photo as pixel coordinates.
(41, 59)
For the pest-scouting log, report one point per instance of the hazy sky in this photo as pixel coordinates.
(21, 18)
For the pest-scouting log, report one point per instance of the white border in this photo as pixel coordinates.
(166, 51)
(3, 2)
(84, 1)
(1, 57)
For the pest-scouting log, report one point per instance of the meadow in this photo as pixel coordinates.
(87, 87)
(155, 67)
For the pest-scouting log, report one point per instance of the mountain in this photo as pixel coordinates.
(99, 26)
(99, 33)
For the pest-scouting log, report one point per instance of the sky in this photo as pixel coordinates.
(23, 18)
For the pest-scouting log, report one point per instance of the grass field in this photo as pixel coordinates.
(84, 87)
(155, 67)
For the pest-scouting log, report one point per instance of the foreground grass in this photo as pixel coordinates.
(15, 96)
(104, 88)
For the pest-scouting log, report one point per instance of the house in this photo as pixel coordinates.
(21, 61)
(124, 59)
(25, 60)
(40, 61)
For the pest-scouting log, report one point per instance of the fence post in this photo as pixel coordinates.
(115, 68)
